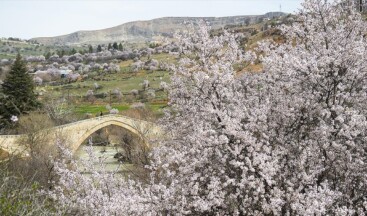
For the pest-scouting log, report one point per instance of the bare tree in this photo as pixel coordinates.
(39, 145)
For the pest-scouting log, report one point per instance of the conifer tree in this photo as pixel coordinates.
(73, 51)
(99, 48)
(120, 47)
(47, 55)
(90, 49)
(115, 46)
(18, 93)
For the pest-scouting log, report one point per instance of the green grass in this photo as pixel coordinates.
(156, 108)
(22, 47)
(7, 56)
(125, 80)
(96, 109)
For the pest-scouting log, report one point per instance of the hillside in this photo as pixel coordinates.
(141, 31)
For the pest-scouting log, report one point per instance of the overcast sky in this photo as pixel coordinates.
(35, 18)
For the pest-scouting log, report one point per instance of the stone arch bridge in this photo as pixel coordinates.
(75, 133)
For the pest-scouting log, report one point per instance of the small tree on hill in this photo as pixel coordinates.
(90, 49)
(18, 92)
(120, 47)
(60, 53)
(99, 48)
(47, 55)
(115, 46)
(72, 52)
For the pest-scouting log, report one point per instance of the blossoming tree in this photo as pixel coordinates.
(290, 140)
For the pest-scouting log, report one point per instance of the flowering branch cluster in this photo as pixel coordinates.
(290, 140)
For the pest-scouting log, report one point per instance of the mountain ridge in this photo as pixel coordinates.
(147, 30)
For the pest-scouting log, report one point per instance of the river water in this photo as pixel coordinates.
(107, 154)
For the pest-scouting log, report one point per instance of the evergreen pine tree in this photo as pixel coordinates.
(61, 53)
(90, 49)
(72, 51)
(18, 93)
(99, 48)
(120, 47)
(115, 46)
(47, 55)
(109, 46)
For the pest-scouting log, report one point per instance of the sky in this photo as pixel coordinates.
(35, 18)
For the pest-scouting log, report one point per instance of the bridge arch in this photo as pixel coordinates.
(77, 132)
(92, 130)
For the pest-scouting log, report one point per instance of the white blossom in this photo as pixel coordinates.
(114, 111)
(290, 140)
(14, 118)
